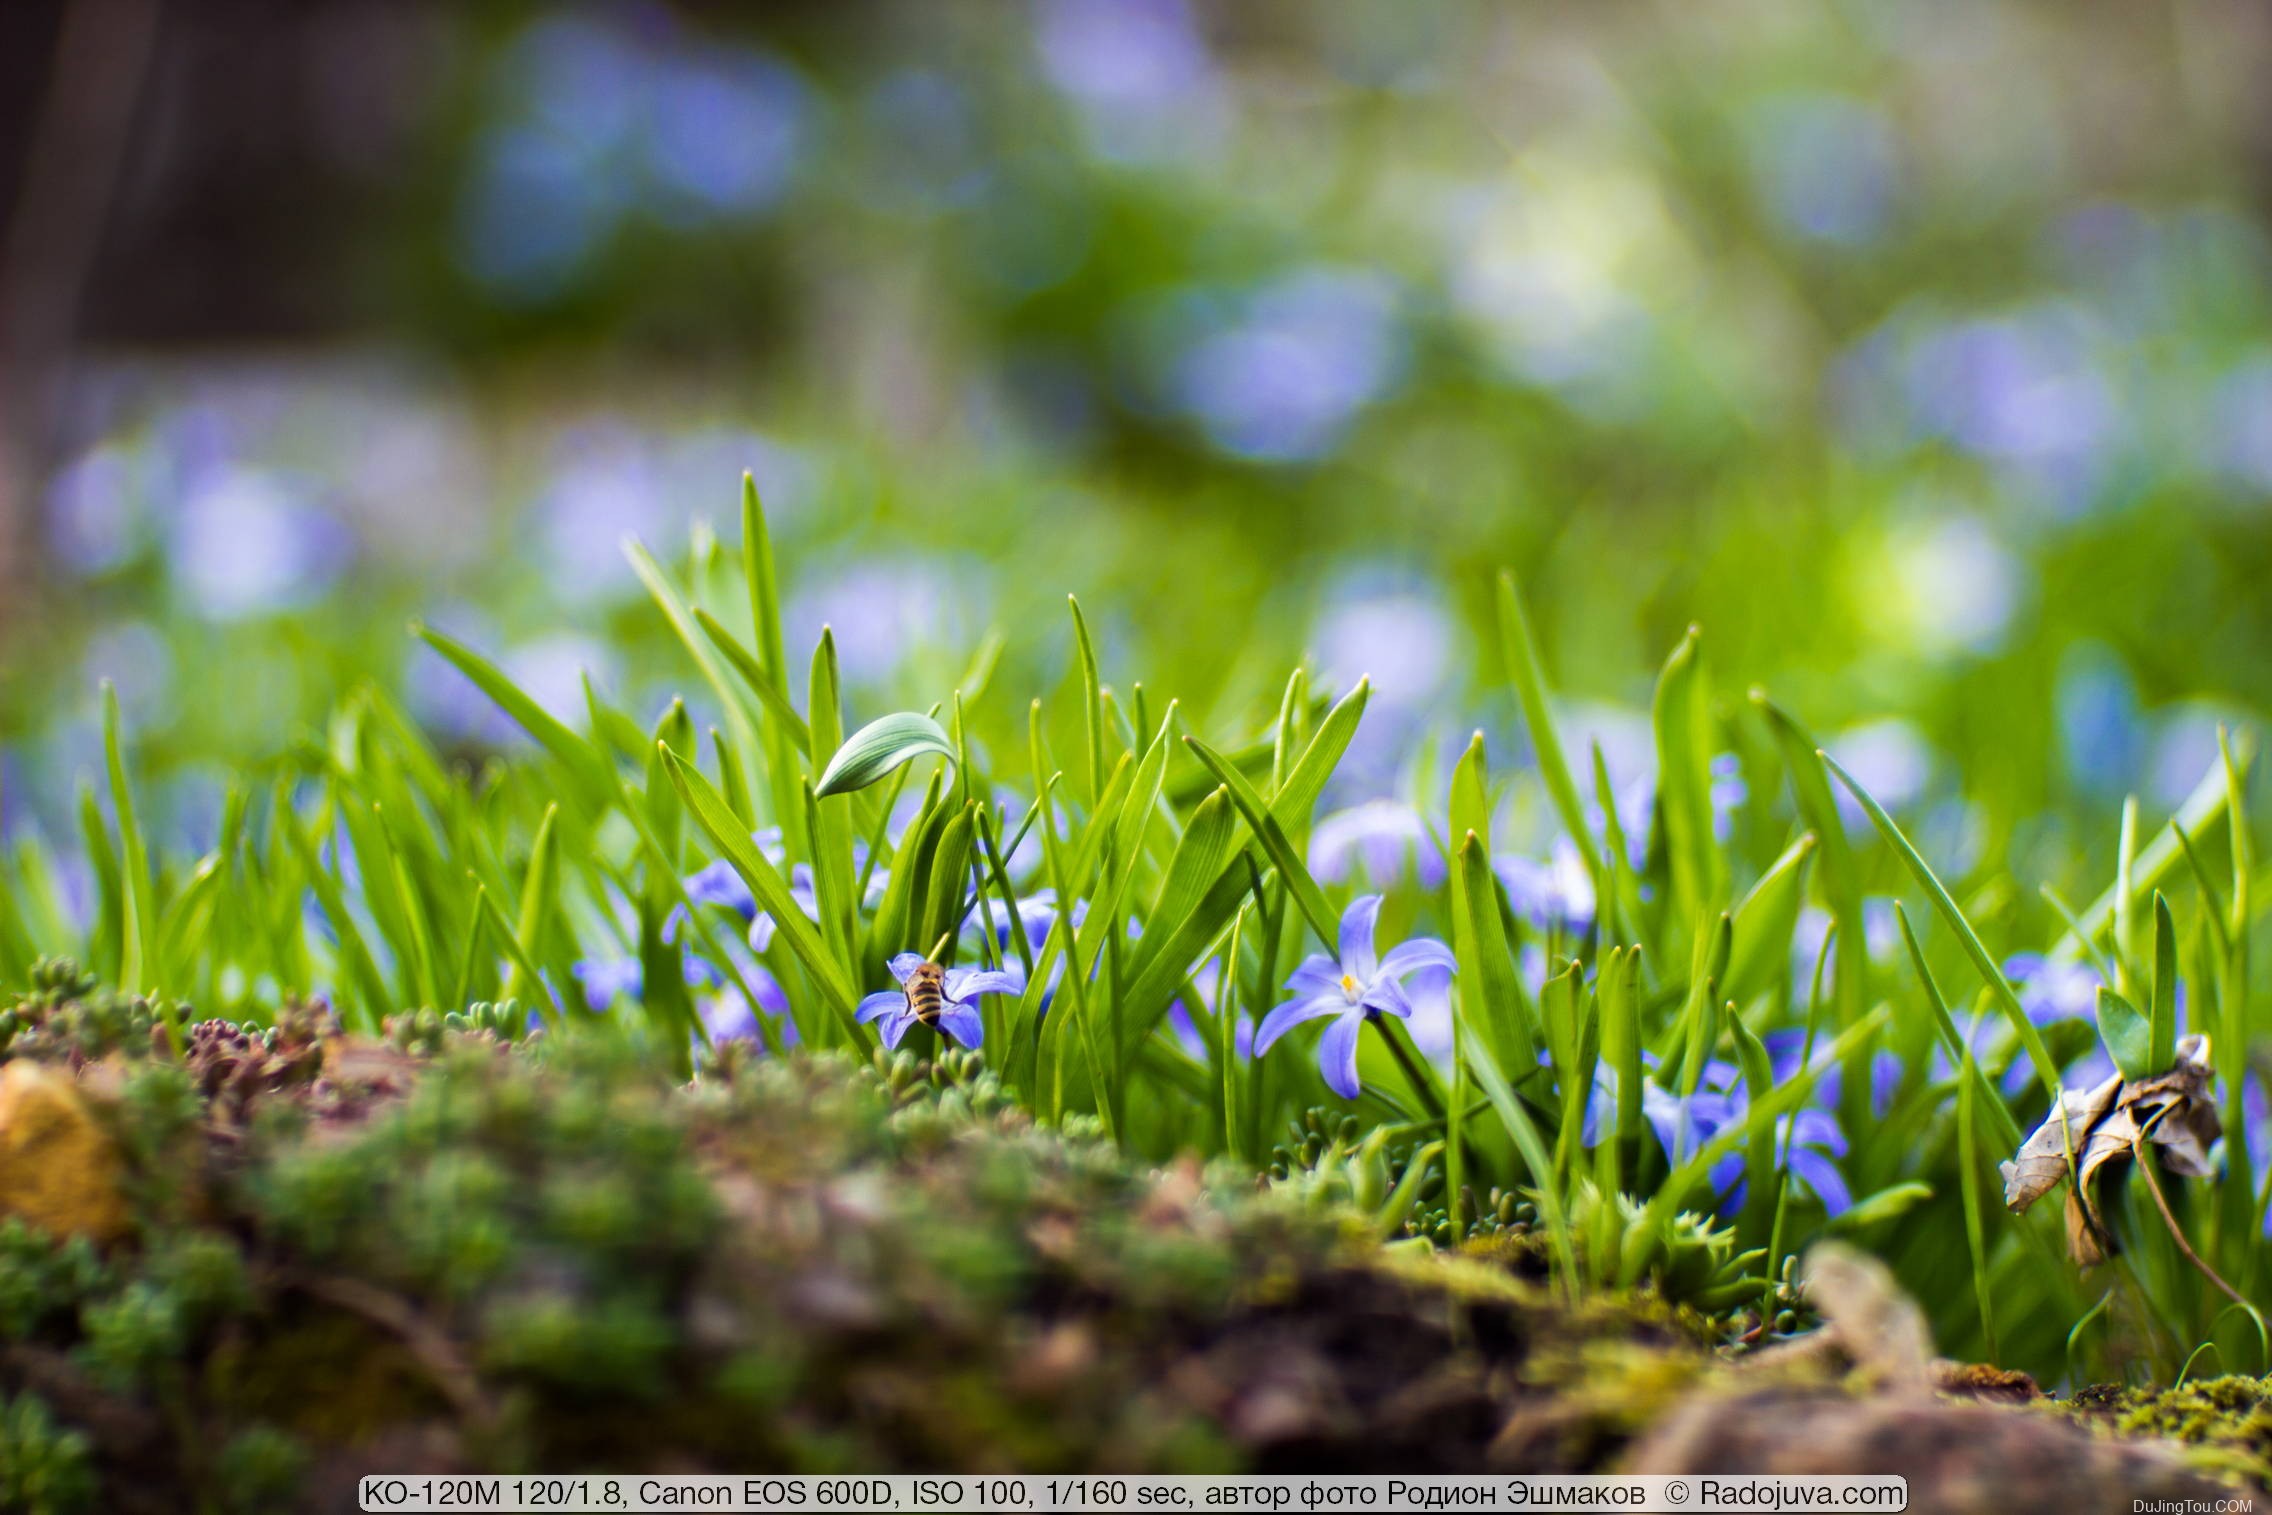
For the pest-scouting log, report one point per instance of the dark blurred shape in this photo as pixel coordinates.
(63, 182)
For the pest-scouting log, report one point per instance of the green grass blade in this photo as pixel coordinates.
(1527, 672)
(140, 964)
(1308, 897)
(1999, 987)
(1532, 1148)
(593, 777)
(711, 812)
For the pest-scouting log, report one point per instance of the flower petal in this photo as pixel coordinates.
(968, 983)
(1317, 975)
(880, 1003)
(728, 1018)
(761, 929)
(1420, 952)
(1821, 1175)
(904, 964)
(1337, 1055)
(719, 884)
(1816, 1128)
(896, 1026)
(1291, 1014)
(962, 1023)
(1388, 997)
(1358, 959)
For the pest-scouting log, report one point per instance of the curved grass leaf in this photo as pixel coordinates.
(879, 747)
(578, 756)
(1524, 1135)
(1999, 987)
(1841, 874)
(709, 808)
(1525, 669)
(2129, 1039)
(1758, 1120)
(1308, 897)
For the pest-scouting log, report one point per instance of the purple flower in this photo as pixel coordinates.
(721, 884)
(1809, 1139)
(1886, 1069)
(2053, 991)
(1362, 985)
(727, 1016)
(1728, 793)
(1557, 894)
(762, 925)
(1037, 913)
(606, 980)
(1378, 834)
(958, 1008)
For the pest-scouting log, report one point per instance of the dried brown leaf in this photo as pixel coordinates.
(2171, 1111)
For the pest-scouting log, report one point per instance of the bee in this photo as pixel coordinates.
(926, 993)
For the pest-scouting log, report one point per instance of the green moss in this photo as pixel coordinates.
(561, 1256)
(2227, 1421)
(43, 1281)
(45, 1468)
(258, 1471)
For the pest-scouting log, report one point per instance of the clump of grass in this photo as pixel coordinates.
(1689, 1050)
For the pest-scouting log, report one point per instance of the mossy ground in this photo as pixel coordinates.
(454, 1250)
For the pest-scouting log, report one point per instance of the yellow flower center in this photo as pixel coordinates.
(1349, 985)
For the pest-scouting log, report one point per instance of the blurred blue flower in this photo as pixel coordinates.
(1809, 1140)
(727, 1016)
(94, 510)
(243, 544)
(1207, 980)
(1037, 914)
(1824, 164)
(1806, 1140)
(579, 79)
(1396, 633)
(1298, 361)
(2242, 407)
(602, 486)
(1886, 1068)
(2100, 733)
(726, 130)
(1121, 52)
(605, 980)
(2185, 750)
(880, 608)
(532, 215)
(762, 926)
(958, 1011)
(1362, 985)
(931, 157)
(1888, 758)
(139, 663)
(2025, 390)
(1555, 895)
(2051, 990)
(1379, 835)
(1727, 793)
(1685, 1123)
(1138, 69)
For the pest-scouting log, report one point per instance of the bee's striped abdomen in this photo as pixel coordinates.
(926, 993)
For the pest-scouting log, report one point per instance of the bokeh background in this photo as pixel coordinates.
(1921, 353)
